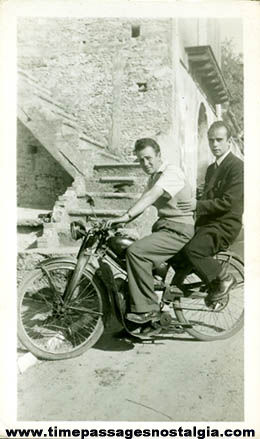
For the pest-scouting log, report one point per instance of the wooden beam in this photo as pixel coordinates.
(222, 93)
(208, 75)
(218, 87)
(213, 81)
(205, 66)
(198, 58)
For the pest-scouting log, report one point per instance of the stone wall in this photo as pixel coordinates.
(40, 179)
(117, 85)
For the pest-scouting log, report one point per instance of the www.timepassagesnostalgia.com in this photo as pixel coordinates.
(194, 432)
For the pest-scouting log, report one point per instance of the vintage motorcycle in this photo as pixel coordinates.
(65, 303)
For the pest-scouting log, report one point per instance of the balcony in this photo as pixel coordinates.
(205, 70)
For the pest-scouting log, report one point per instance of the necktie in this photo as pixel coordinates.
(154, 178)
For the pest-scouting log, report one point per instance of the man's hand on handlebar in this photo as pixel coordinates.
(121, 219)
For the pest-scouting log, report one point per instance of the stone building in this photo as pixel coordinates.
(87, 89)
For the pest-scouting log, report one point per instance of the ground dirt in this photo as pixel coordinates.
(173, 379)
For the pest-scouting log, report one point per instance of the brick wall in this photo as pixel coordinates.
(40, 179)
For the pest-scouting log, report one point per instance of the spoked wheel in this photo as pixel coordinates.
(213, 322)
(50, 328)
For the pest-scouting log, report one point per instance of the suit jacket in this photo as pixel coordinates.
(221, 205)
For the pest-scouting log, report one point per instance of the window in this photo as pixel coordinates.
(142, 86)
(135, 30)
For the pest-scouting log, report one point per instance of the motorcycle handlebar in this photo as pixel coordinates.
(103, 224)
(78, 228)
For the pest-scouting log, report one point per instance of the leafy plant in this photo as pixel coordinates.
(233, 72)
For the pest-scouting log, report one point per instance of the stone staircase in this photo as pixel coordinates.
(112, 192)
(113, 184)
(58, 131)
(114, 187)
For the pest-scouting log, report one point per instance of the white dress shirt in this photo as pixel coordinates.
(220, 159)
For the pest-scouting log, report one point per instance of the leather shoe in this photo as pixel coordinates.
(143, 317)
(224, 286)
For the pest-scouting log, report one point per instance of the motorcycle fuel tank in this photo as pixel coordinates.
(119, 244)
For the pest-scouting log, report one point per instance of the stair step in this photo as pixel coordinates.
(105, 186)
(29, 222)
(119, 180)
(121, 169)
(29, 226)
(108, 213)
(123, 165)
(117, 195)
(31, 217)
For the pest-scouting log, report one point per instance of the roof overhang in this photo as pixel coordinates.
(206, 70)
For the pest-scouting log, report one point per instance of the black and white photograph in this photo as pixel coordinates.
(130, 147)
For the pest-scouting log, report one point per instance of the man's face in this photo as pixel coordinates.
(218, 142)
(149, 160)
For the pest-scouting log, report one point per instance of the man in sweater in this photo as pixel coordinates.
(174, 228)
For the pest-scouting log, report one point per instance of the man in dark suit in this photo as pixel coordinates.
(218, 215)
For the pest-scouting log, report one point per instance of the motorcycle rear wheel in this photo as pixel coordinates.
(227, 319)
(47, 327)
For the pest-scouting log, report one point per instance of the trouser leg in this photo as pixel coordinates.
(140, 258)
(199, 253)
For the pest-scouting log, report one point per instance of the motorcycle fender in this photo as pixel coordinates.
(231, 255)
(52, 260)
(109, 281)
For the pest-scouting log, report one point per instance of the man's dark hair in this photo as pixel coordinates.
(140, 144)
(219, 124)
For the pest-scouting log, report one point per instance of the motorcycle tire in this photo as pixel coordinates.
(204, 322)
(47, 328)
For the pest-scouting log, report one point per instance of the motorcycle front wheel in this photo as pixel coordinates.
(50, 328)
